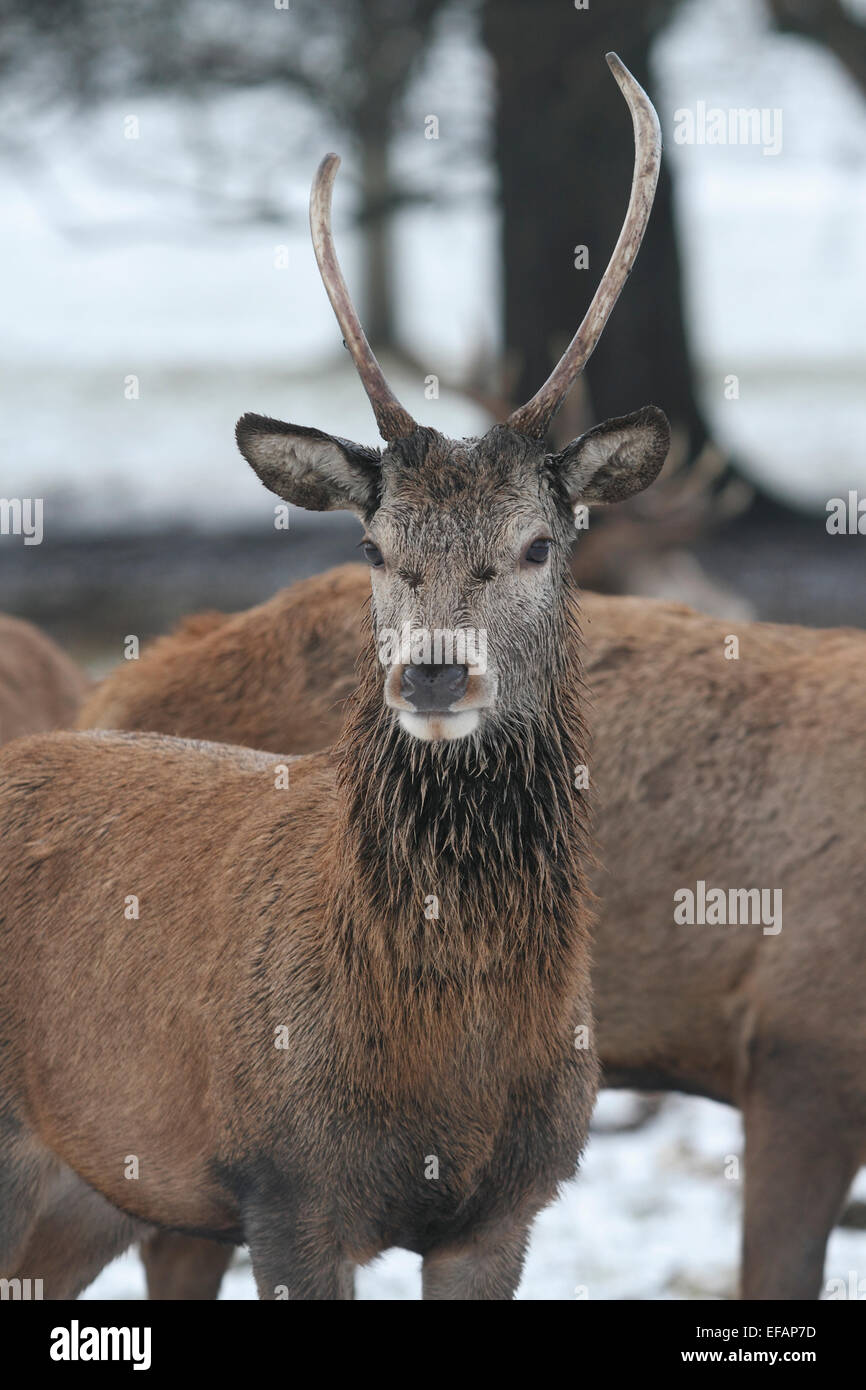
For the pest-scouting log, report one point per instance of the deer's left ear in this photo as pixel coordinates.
(614, 459)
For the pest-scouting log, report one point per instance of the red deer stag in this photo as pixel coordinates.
(351, 1014)
(734, 772)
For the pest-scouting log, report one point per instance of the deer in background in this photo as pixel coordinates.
(644, 548)
(430, 1093)
(40, 688)
(282, 671)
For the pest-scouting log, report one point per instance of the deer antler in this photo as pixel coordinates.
(534, 418)
(394, 422)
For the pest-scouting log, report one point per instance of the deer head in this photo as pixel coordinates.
(469, 540)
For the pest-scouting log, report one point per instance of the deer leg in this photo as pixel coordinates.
(27, 1171)
(798, 1171)
(183, 1267)
(280, 1275)
(75, 1236)
(487, 1268)
(295, 1258)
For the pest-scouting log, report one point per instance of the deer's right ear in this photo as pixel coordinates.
(309, 468)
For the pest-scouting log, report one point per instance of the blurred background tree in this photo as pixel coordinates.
(239, 100)
(565, 177)
(352, 59)
(562, 145)
(829, 23)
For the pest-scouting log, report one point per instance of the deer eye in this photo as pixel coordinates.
(537, 552)
(373, 554)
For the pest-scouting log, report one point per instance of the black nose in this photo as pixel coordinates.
(433, 688)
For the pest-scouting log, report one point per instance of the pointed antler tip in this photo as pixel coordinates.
(624, 78)
(328, 166)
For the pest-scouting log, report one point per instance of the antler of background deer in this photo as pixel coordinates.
(534, 418)
(687, 500)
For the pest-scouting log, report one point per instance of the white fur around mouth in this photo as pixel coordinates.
(435, 727)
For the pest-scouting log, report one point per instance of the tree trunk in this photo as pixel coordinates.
(389, 39)
(378, 314)
(565, 153)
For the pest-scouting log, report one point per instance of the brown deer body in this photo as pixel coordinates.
(315, 1153)
(285, 667)
(740, 773)
(288, 1049)
(40, 688)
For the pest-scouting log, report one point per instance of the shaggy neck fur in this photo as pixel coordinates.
(490, 827)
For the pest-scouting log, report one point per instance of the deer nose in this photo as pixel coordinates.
(433, 688)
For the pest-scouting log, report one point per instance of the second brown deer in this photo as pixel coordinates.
(40, 687)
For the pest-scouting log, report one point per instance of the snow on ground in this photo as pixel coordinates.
(651, 1216)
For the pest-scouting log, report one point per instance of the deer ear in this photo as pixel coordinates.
(616, 458)
(314, 470)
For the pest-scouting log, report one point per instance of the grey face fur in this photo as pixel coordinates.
(456, 532)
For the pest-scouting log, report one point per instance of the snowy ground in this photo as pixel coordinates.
(652, 1216)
